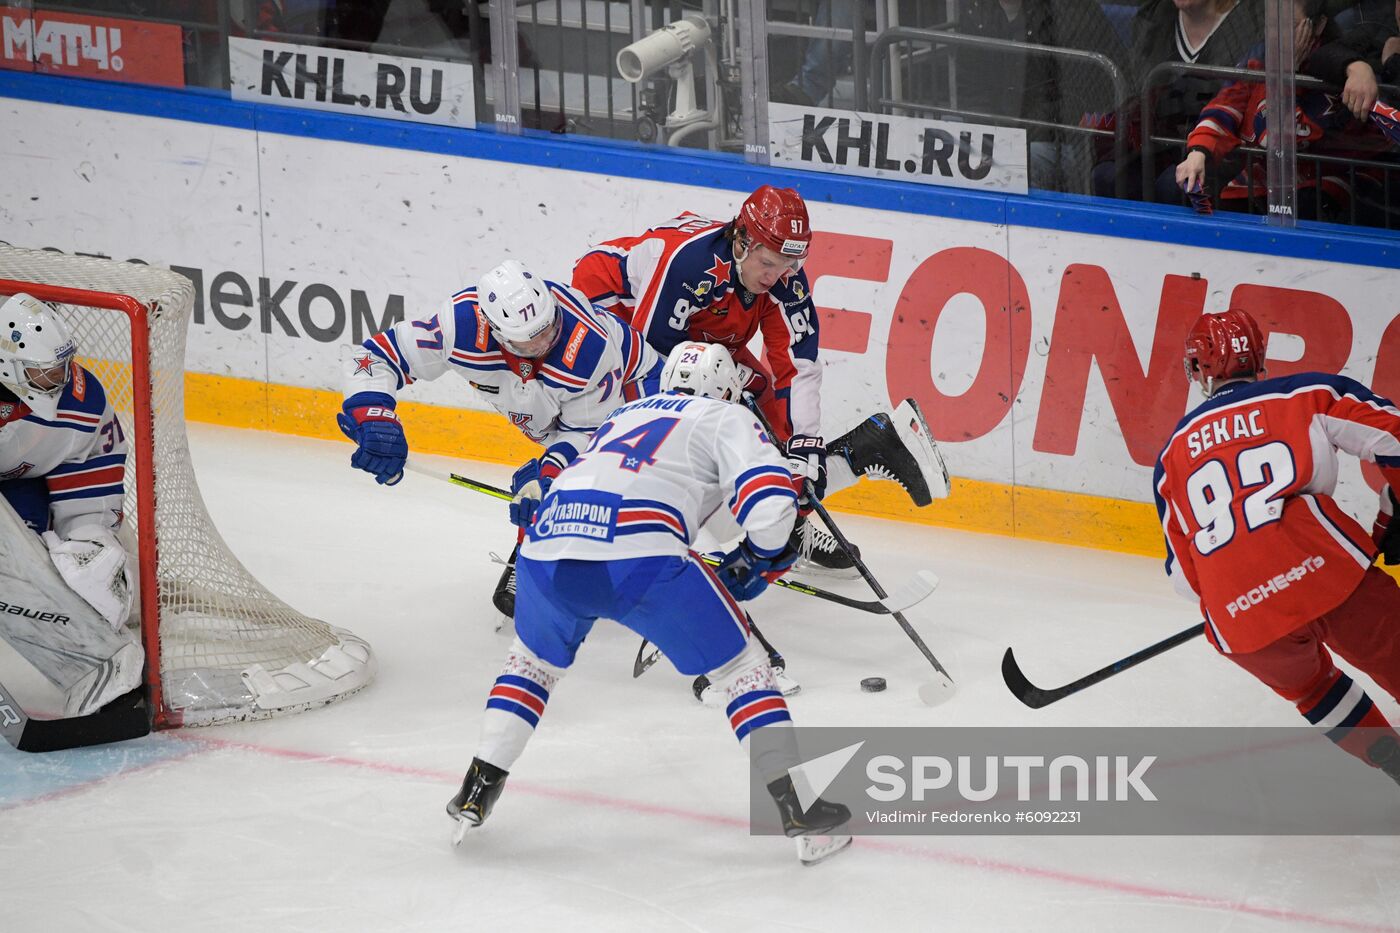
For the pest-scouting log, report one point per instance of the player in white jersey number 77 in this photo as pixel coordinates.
(611, 539)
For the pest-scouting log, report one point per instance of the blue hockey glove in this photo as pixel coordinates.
(746, 573)
(529, 485)
(807, 460)
(369, 420)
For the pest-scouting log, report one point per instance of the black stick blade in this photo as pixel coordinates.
(1021, 688)
(124, 718)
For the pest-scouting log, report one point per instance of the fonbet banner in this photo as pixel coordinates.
(1076, 781)
(413, 89)
(1042, 358)
(930, 152)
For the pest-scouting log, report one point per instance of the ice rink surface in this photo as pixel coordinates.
(628, 811)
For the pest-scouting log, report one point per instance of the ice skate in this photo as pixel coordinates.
(1385, 755)
(708, 696)
(898, 448)
(504, 597)
(819, 552)
(472, 805)
(813, 829)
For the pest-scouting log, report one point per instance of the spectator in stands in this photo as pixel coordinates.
(823, 60)
(1037, 86)
(1236, 116)
(1197, 32)
(1364, 57)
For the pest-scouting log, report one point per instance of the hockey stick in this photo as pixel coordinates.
(123, 718)
(1036, 697)
(931, 692)
(910, 594)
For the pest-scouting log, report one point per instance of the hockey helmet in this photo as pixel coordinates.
(1223, 346)
(704, 369)
(36, 353)
(775, 218)
(519, 308)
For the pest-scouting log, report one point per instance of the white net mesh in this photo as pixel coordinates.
(229, 649)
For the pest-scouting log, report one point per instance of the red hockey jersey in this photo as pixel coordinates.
(1244, 493)
(679, 281)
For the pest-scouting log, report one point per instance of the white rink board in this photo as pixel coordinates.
(382, 228)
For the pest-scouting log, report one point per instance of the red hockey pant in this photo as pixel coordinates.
(1365, 631)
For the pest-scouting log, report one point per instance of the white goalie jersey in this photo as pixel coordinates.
(654, 473)
(80, 454)
(558, 400)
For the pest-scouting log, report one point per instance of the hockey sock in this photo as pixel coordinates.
(753, 702)
(515, 705)
(1346, 714)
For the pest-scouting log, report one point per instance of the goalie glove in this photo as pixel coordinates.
(93, 564)
(746, 573)
(529, 485)
(369, 420)
(807, 460)
(1386, 531)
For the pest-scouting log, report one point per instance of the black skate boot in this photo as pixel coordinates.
(504, 597)
(472, 805)
(898, 448)
(1385, 755)
(812, 829)
(819, 550)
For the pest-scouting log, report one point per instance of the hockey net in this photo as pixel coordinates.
(219, 646)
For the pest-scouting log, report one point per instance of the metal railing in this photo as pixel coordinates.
(1170, 71)
(879, 68)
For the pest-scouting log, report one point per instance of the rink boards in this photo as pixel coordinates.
(1043, 339)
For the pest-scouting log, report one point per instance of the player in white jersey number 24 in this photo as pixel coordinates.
(611, 539)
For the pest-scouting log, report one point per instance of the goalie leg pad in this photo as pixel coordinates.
(57, 632)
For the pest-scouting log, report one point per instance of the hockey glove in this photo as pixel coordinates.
(1386, 531)
(807, 460)
(746, 573)
(369, 420)
(753, 380)
(529, 485)
(93, 564)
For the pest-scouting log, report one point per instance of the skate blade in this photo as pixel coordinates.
(459, 832)
(805, 568)
(814, 849)
(910, 426)
(786, 685)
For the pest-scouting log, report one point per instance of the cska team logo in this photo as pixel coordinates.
(365, 364)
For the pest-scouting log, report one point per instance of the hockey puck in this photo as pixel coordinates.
(872, 684)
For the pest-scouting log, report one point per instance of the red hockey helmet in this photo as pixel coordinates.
(776, 218)
(1227, 345)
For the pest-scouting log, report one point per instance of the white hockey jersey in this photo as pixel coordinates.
(81, 453)
(653, 474)
(598, 363)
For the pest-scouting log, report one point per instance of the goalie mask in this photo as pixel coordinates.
(521, 311)
(701, 369)
(1223, 346)
(36, 353)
